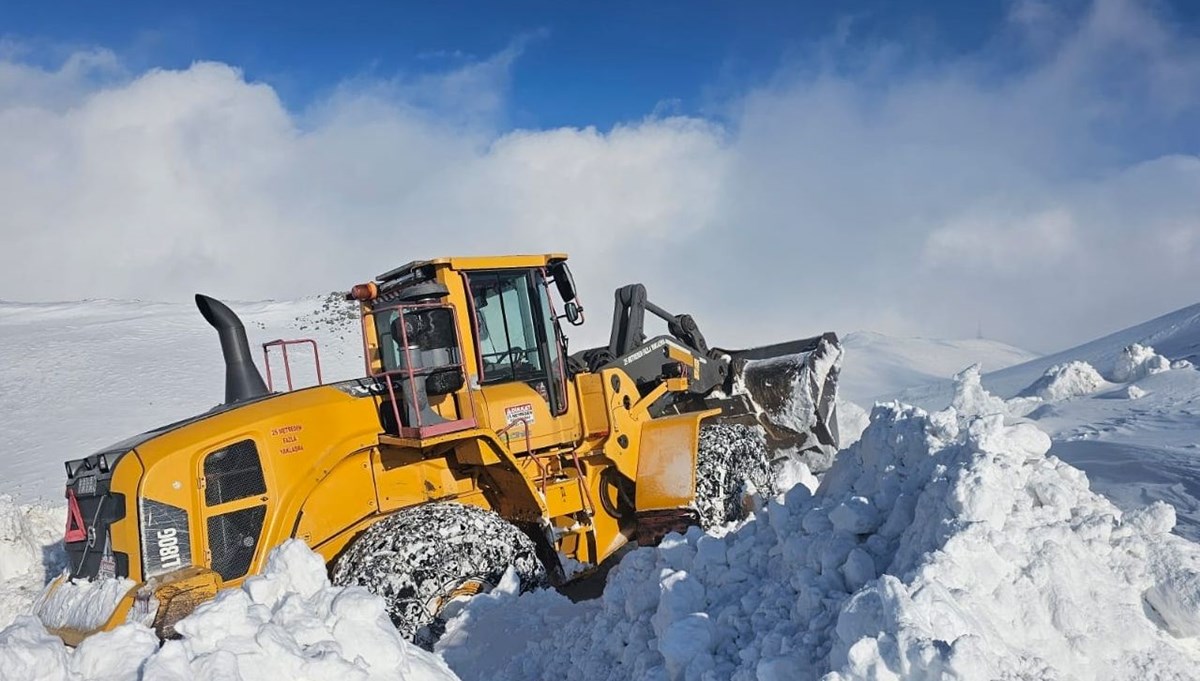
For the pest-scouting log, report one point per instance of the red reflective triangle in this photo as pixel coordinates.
(75, 529)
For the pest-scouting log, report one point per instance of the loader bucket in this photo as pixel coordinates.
(790, 389)
(73, 612)
(76, 609)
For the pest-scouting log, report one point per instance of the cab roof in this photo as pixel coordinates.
(468, 263)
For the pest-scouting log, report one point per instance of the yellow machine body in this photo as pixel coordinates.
(331, 465)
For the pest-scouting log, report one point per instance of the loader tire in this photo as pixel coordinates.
(732, 463)
(421, 559)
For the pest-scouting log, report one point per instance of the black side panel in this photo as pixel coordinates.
(233, 473)
(89, 480)
(84, 557)
(233, 538)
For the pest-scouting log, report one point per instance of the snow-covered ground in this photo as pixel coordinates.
(77, 376)
(946, 543)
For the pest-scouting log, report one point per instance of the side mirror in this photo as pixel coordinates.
(563, 280)
(574, 313)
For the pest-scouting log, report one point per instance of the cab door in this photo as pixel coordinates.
(522, 372)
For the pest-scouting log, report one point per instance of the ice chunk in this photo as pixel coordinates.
(27, 652)
(970, 397)
(686, 642)
(1137, 362)
(115, 655)
(856, 515)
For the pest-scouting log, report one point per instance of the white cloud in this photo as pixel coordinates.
(925, 198)
(176, 181)
(1001, 244)
(898, 196)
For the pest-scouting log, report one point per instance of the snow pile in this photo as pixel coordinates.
(29, 653)
(1064, 381)
(971, 399)
(1010, 567)
(1138, 361)
(1059, 382)
(30, 552)
(929, 550)
(287, 623)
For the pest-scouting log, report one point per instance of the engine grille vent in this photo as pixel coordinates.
(233, 473)
(232, 539)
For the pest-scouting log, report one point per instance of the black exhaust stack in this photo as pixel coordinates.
(242, 380)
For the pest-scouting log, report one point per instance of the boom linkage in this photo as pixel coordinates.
(788, 388)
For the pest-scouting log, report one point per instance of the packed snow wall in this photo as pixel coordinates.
(936, 547)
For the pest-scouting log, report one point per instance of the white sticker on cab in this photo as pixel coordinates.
(519, 413)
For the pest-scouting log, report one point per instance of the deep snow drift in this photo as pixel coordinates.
(934, 548)
(30, 552)
(287, 623)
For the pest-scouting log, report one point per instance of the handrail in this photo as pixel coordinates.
(287, 368)
(409, 372)
(587, 496)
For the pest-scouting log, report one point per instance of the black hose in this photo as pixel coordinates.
(624, 507)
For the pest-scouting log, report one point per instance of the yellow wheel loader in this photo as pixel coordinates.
(474, 444)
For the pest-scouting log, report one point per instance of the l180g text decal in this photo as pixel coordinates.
(166, 542)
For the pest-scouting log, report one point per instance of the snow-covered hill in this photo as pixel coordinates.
(1175, 335)
(876, 366)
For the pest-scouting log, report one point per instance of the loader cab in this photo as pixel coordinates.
(520, 349)
(465, 342)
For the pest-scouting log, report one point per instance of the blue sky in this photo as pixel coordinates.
(777, 169)
(584, 63)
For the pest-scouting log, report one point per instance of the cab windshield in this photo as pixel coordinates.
(516, 332)
(508, 338)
